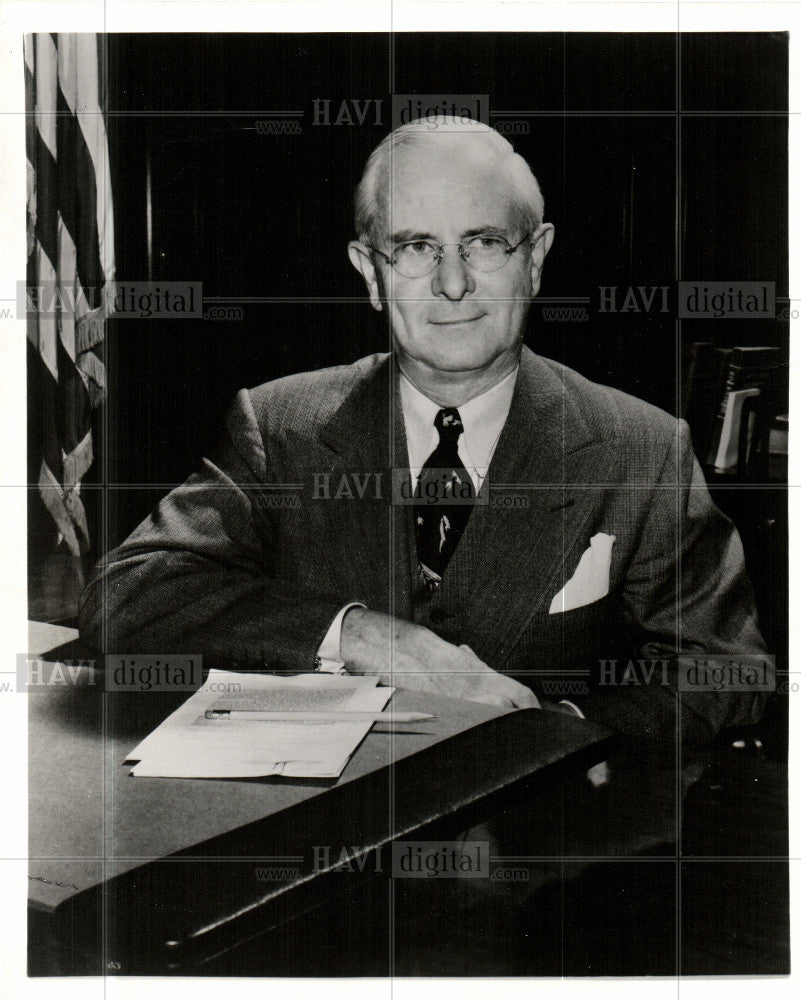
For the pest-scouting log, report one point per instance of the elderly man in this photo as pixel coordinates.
(466, 516)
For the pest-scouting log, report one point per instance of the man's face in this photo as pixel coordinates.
(455, 319)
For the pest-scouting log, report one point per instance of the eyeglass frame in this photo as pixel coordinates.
(463, 253)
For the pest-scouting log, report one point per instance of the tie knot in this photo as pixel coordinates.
(449, 423)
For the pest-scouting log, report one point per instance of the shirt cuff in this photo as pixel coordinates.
(327, 660)
(575, 708)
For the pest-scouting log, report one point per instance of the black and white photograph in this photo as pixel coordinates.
(407, 420)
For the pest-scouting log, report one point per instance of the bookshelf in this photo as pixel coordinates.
(734, 398)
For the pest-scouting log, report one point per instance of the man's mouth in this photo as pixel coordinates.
(456, 322)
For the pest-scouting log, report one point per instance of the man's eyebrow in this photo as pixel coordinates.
(410, 235)
(486, 231)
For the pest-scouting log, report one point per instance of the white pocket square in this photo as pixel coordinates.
(590, 582)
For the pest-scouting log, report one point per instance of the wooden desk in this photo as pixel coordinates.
(157, 875)
(222, 877)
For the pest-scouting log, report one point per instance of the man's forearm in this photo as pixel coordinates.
(168, 602)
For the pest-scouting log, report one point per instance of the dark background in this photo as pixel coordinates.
(660, 156)
(254, 215)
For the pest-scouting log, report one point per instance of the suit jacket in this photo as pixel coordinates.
(250, 559)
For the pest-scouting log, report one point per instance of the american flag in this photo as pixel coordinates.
(70, 276)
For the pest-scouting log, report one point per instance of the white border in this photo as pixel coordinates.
(17, 17)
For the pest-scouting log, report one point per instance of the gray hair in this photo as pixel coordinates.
(371, 194)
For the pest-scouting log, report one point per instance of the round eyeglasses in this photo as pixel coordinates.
(417, 258)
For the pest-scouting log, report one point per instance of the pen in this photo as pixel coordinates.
(257, 716)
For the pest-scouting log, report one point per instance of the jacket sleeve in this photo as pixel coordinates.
(198, 575)
(685, 593)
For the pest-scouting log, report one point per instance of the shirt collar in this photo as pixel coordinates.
(482, 417)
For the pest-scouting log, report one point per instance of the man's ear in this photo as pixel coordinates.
(540, 245)
(361, 260)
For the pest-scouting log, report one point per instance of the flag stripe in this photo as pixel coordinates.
(79, 86)
(66, 509)
(30, 151)
(93, 372)
(45, 330)
(68, 284)
(73, 410)
(28, 55)
(78, 202)
(46, 199)
(43, 387)
(77, 462)
(46, 83)
(102, 75)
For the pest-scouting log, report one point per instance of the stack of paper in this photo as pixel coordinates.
(190, 745)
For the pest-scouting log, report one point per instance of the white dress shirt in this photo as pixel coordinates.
(482, 418)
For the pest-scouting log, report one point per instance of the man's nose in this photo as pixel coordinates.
(452, 277)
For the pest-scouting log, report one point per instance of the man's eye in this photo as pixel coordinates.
(417, 247)
(487, 242)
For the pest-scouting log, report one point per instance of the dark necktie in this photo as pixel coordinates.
(444, 498)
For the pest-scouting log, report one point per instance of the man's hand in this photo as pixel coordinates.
(407, 655)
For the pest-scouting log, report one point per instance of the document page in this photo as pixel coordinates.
(189, 744)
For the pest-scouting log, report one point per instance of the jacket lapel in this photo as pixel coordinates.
(511, 559)
(372, 539)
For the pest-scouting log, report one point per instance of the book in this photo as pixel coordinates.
(741, 368)
(730, 451)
